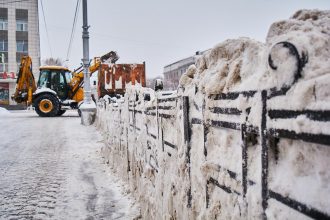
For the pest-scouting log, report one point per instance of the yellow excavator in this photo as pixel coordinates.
(58, 89)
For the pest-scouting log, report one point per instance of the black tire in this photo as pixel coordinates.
(47, 105)
(61, 112)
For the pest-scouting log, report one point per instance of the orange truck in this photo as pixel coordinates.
(113, 78)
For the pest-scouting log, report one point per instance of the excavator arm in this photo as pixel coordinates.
(25, 84)
(111, 57)
(78, 74)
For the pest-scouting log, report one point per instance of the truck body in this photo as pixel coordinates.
(113, 78)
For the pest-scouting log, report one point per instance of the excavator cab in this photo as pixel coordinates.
(56, 79)
(52, 90)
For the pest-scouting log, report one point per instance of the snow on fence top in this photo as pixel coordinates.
(243, 64)
(246, 136)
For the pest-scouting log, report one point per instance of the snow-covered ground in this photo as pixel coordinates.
(51, 168)
(3, 112)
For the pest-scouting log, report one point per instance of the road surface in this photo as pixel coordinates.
(51, 168)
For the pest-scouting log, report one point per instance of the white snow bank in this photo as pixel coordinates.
(242, 64)
(4, 112)
(218, 172)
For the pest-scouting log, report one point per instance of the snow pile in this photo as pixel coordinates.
(204, 177)
(4, 112)
(221, 69)
(242, 64)
(309, 30)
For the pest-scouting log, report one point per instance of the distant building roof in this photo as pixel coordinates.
(183, 62)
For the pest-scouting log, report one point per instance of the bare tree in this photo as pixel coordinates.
(53, 62)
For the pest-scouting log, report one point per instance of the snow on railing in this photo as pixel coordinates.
(179, 143)
(239, 139)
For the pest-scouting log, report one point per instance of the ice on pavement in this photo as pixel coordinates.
(51, 168)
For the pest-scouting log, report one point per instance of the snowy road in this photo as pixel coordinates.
(51, 168)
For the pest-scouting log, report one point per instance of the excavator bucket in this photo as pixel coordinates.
(112, 56)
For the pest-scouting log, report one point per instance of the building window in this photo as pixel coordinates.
(3, 46)
(3, 24)
(3, 67)
(22, 46)
(21, 25)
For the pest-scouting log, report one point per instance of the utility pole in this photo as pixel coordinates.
(88, 108)
(85, 60)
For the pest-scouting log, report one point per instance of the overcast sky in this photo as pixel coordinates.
(160, 32)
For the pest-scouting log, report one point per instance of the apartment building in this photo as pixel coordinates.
(173, 72)
(19, 36)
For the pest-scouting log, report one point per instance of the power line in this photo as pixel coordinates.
(73, 29)
(43, 13)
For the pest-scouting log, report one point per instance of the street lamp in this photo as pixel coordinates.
(88, 108)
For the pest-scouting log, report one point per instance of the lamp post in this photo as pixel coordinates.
(88, 108)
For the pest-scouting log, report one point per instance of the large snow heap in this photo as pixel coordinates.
(242, 64)
(246, 136)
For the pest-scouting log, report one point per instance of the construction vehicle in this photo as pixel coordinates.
(58, 88)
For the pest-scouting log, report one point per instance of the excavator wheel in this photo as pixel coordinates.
(47, 105)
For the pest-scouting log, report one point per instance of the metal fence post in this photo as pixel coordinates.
(187, 138)
(264, 154)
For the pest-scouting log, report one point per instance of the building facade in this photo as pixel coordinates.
(19, 36)
(173, 72)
